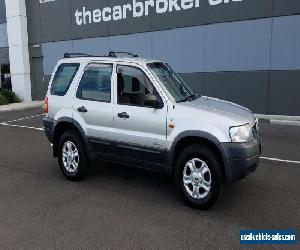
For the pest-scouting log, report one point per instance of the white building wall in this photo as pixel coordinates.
(18, 48)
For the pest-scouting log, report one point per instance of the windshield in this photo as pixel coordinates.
(174, 84)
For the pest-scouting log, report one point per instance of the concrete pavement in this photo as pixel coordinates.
(20, 106)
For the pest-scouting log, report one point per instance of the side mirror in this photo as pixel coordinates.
(151, 101)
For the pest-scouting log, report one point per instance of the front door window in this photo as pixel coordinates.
(133, 86)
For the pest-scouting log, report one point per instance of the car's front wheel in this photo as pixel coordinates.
(72, 156)
(198, 176)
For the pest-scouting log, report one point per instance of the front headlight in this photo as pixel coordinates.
(241, 133)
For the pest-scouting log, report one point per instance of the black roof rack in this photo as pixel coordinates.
(72, 55)
(118, 54)
(115, 54)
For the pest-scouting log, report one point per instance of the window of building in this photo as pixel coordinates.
(63, 78)
(133, 86)
(95, 84)
(5, 77)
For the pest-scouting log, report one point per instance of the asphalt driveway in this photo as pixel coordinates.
(121, 207)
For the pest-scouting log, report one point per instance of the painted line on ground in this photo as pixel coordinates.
(279, 160)
(20, 126)
(23, 118)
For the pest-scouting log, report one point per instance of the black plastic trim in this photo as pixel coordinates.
(143, 149)
(129, 154)
(74, 124)
(242, 158)
(49, 124)
(238, 158)
(190, 133)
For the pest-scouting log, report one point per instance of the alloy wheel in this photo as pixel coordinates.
(197, 178)
(70, 157)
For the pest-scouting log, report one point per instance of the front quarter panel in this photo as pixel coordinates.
(195, 123)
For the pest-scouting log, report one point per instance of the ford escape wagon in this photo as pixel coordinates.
(139, 112)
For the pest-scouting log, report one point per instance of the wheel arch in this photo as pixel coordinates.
(62, 125)
(197, 137)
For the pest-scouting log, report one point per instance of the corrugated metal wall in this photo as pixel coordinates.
(247, 52)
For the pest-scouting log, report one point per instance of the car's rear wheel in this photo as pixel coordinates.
(198, 176)
(72, 156)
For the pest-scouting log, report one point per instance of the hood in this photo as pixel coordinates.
(228, 110)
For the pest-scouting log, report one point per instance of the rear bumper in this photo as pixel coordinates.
(49, 128)
(242, 159)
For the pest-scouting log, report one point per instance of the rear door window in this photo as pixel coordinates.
(63, 78)
(95, 84)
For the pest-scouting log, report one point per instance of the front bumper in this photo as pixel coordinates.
(241, 159)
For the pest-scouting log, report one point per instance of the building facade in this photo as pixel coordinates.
(4, 54)
(245, 51)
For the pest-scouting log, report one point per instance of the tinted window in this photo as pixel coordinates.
(63, 78)
(95, 84)
(133, 86)
(172, 82)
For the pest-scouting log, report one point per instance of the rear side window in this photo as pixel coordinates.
(95, 84)
(63, 78)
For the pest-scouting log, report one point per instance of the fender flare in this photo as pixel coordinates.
(75, 125)
(201, 135)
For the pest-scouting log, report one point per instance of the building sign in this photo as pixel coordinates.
(137, 8)
(62, 20)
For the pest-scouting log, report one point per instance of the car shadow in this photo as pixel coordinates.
(251, 202)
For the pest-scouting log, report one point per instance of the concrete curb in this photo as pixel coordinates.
(285, 123)
(280, 119)
(277, 117)
(21, 106)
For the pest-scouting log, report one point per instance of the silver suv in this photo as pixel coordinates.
(139, 112)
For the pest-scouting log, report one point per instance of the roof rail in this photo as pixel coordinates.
(72, 55)
(115, 54)
(118, 54)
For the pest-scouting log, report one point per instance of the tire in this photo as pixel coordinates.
(79, 164)
(199, 190)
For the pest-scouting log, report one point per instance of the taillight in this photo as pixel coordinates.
(46, 108)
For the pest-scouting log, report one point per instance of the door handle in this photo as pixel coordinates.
(82, 109)
(123, 115)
